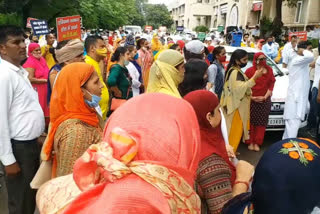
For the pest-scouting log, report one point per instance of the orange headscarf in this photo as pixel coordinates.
(67, 102)
(145, 164)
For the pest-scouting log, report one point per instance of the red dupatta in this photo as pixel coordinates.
(212, 141)
(266, 81)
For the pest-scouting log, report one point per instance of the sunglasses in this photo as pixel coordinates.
(261, 59)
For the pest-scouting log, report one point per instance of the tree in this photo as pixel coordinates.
(158, 15)
(107, 14)
(277, 23)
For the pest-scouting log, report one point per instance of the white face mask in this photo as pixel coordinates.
(98, 110)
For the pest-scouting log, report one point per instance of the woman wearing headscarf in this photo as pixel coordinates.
(261, 42)
(236, 96)
(156, 45)
(38, 71)
(67, 52)
(217, 178)
(260, 100)
(73, 118)
(181, 44)
(125, 173)
(286, 180)
(146, 59)
(167, 73)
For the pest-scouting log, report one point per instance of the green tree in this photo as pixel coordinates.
(108, 14)
(158, 15)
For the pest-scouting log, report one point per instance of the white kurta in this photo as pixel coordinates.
(299, 84)
(135, 75)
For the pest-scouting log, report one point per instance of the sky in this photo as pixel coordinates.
(167, 2)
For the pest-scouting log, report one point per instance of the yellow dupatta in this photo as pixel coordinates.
(155, 43)
(164, 77)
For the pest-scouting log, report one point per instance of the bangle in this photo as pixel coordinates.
(242, 182)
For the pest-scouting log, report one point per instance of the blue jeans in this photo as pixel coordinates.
(314, 109)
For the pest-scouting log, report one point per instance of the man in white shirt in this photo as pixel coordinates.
(314, 106)
(21, 123)
(256, 31)
(298, 90)
(288, 48)
(270, 49)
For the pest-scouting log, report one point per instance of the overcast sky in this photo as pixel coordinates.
(160, 1)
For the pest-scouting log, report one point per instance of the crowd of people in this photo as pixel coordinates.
(139, 126)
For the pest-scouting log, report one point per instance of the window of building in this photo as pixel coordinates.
(207, 1)
(199, 1)
(298, 12)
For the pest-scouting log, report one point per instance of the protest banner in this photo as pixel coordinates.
(39, 27)
(302, 35)
(180, 28)
(68, 28)
(28, 25)
(148, 28)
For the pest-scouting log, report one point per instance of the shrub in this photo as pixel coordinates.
(201, 28)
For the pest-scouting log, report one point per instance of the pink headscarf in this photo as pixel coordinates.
(32, 47)
(39, 65)
(151, 129)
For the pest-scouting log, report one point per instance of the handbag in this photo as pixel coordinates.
(116, 103)
(43, 174)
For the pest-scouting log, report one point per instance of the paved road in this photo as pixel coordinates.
(254, 157)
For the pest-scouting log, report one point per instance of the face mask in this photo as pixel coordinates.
(242, 65)
(270, 43)
(94, 100)
(102, 52)
(222, 58)
(263, 63)
(126, 63)
(136, 56)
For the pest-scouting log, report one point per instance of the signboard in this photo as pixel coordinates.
(180, 28)
(302, 35)
(202, 36)
(28, 22)
(39, 27)
(257, 6)
(148, 28)
(68, 28)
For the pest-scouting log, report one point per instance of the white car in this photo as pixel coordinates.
(276, 121)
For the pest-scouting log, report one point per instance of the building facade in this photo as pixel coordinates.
(192, 13)
(214, 13)
(298, 18)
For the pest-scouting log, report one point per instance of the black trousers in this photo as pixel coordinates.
(21, 198)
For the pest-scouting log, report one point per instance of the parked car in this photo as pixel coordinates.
(276, 121)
